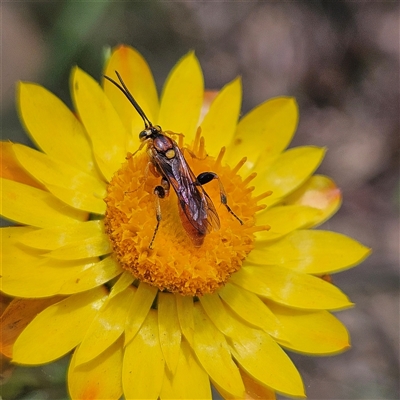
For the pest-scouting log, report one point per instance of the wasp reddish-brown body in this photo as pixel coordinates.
(196, 210)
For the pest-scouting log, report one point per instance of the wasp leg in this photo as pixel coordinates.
(130, 155)
(206, 177)
(160, 191)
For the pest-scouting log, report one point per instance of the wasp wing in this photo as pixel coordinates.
(193, 199)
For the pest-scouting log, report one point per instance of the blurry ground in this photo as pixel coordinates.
(339, 59)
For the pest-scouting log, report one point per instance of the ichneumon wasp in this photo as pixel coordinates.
(196, 210)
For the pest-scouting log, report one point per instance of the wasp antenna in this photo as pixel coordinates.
(127, 93)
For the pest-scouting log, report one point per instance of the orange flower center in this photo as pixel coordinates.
(174, 263)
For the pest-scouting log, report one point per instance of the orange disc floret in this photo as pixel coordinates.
(175, 264)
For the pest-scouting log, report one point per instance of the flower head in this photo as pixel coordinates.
(110, 260)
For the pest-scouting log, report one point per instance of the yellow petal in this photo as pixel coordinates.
(139, 309)
(51, 277)
(77, 199)
(18, 314)
(27, 273)
(264, 360)
(182, 98)
(48, 170)
(264, 132)
(13, 255)
(219, 124)
(319, 192)
(311, 332)
(53, 238)
(107, 326)
(11, 169)
(184, 306)
(143, 365)
(44, 115)
(98, 379)
(288, 172)
(291, 288)
(217, 313)
(30, 206)
(313, 252)
(250, 307)
(95, 275)
(91, 247)
(213, 353)
(169, 329)
(122, 283)
(190, 381)
(285, 219)
(103, 125)
(58, 329)
(137, 76)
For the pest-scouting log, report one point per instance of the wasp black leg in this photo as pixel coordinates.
(206, 177)
(160, 191)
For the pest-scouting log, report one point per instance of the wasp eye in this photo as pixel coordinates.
(143, 135)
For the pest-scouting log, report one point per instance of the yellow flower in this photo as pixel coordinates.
(165, 322)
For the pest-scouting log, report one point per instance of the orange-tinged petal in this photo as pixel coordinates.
(313, 252)
(219, 124)
(190, 381)
(99, 378)
(18, 314)
(311, 332)
(143, 365)
(4, 302)
(254, 390)
(103, 125)
(250, 307)
(182, 98)
(184, 305)
(169, 329)
(264, 360)
(288, 172)
(11, 169)
(107, 326)
(291, 288)
(140, 307)
(319, 192)
(138, 78)
(30, 206)
(58, 329)
(91, 247)
(208, 98)
(95, 275)
(54, 128)
(53, 238)
(285, 219)
(213, 353)
(264, 132)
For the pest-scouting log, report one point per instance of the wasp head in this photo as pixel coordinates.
(150, 133)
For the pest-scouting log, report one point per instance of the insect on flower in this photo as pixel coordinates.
(196, 210)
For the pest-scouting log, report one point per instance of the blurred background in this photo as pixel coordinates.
(339, 59)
